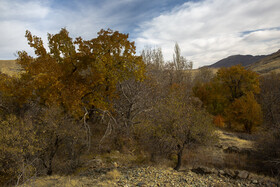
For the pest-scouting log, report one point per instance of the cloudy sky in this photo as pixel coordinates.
(206, 30)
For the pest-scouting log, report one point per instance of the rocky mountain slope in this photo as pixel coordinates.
(270, 63)
(244, 60)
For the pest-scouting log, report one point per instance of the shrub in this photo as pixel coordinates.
(19, 145)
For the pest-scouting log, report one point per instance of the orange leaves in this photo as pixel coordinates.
(219, 121)
(238, 81)
(36, 43)
(77, 78)
(231, 94)
(245, 111)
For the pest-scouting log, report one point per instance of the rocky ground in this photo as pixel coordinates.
(99, 173)
(156, 176)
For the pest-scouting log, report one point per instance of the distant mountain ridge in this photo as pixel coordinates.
(244, 60)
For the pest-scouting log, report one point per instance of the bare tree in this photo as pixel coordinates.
(180, 62)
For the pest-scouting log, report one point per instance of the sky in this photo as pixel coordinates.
(206, 30)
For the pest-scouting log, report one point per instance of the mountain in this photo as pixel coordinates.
(244, 60)
(271, 63)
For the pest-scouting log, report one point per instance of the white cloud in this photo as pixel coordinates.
(210, 30)
(206, 31)
(22, 11)
(81, 18)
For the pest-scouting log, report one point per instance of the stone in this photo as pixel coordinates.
(243, 174)
(230, 173)
(141, 184)
(221, 172)
(255, 182)
(201, 170)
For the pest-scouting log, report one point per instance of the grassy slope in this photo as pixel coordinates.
(269, 64)
(9, 67)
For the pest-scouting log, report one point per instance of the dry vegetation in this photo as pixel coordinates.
(267, 65)
(9, 67)
(101, 116)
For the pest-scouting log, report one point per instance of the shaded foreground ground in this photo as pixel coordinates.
(117, 172)
(151, 176)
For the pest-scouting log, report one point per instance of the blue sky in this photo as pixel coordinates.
(206, 30)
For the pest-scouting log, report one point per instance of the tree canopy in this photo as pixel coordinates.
(76, 74)
(231, 94)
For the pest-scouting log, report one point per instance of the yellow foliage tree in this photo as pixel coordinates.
(245, 111)
(230, 93)
(72, 78)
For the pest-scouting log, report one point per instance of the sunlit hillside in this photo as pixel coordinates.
(9, 67)
(268, 64)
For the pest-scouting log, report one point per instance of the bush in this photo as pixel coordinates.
(19, 145)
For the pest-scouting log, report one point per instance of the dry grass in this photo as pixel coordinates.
(195, 71)
(113, 175)
(58, 181)
(228, 139)
(268, 64)
(9, 67)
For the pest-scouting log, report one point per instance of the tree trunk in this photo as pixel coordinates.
(248, 128)
(179, 158)
(51, 156)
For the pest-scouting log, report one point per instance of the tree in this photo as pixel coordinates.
(270, 99)
(238, 81)
(229, 93)
(213, 96)
(245, 111)
(204, 75)
(78, 78)
(179, 61)
(153, 57)
(60, 89)
(18, 147)
(175, 123)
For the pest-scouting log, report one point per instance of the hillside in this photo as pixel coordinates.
(244, 60)
(270, 63)
(9, 67)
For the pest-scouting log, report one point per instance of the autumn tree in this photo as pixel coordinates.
(230, 93)
(245, 111)
(237, 81)
(80, 78)
(61, 89)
